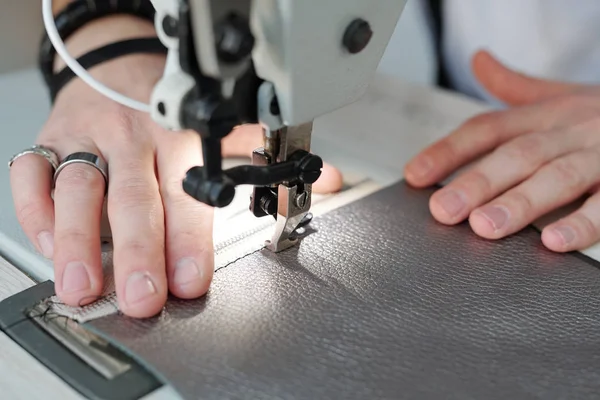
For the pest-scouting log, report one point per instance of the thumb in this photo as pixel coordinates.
(512, 87)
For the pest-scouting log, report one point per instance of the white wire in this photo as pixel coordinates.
(59, 45)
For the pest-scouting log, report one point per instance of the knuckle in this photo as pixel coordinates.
(182, 237)
(124, 118)
(76, 175)
(567, 102)
(192, 240)
(589, 130)
(589, 229)
(566, 173)
(72, 236)
(481, 120)
(490, 123)
(131, 130)
(133, 192)
(196, 213)
(30, 213)
(574, 101)
(125, 130)
(122, 129)
(479, 181)
(526, 148)
(172, 192)
(140, 249)
(594, 125)
(137, 246)
(445, 147)
(521, 202)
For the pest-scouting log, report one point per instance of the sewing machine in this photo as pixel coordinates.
(280, 63)
(286, 103)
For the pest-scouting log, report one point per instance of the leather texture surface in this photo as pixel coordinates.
(381, 302)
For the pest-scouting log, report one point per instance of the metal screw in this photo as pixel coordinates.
(169, 26)
(274, 107)
(301, 200)
(234, 39)
(162, 109)
(357, 36)
(268, 204)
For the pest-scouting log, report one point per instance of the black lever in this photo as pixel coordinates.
(302, 167)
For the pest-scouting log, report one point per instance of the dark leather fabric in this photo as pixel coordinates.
(384, 303)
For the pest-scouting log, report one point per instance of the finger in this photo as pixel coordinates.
(136, 217)
(330, 181)
(512, 87)
(475, 137)
(188, 222)
(578, 230)
(245, 138)
(594, 189)
(507, 166)
(78, 198)
(31, 185)
(554, 185)
(242, 141)
(483, 133)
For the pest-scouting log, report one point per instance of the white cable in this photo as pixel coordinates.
(59, 45)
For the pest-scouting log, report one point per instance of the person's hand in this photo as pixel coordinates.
(162, 238)
(540, 154)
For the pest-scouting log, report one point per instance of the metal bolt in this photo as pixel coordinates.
(357, 36)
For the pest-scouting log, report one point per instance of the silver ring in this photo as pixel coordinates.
(38, 150)
(84, 158)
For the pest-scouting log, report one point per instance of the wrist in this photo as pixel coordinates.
(102, 32)
(132, 75)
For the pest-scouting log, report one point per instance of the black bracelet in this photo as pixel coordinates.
(103, 54)
(79, 13)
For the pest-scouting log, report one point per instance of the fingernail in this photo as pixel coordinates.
(496, 215)
(75, 278)
(186, 271)
(46, 242)
(566, 234)
(421, 166)
(139, 287)
(452, 202)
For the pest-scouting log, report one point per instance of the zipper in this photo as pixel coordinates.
(229, 249)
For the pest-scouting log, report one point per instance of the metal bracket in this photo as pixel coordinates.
(97, 371)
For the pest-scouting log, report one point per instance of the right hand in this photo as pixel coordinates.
(162, 238)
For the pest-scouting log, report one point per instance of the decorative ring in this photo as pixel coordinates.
(38, 150)
(84, 158)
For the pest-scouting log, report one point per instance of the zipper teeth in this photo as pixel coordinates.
(222, 246)
(240, 237)
(247, 235)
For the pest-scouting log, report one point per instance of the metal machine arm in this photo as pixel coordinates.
(280, 63)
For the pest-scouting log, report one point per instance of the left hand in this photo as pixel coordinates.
(544, 153)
